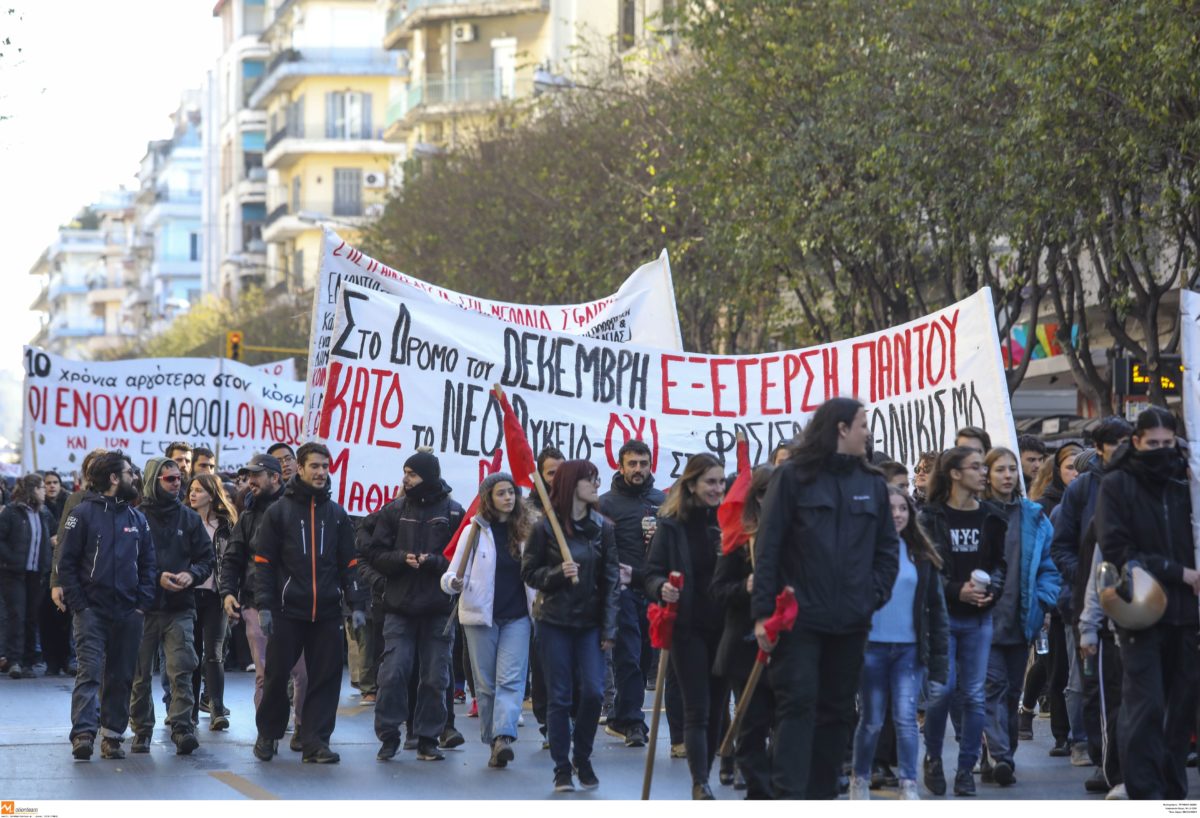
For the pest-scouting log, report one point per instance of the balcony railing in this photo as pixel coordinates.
(275, 215)
(404, 9)
(465, 88)
(319, 131)
(320, 61)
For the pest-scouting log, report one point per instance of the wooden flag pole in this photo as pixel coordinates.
(664, 657)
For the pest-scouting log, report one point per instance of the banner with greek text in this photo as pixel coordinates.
(1189, 316)
(412, 372)
(642, 311)
(72, 407)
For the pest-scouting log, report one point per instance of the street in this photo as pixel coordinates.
(36, 762)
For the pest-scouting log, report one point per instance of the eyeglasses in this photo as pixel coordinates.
(170, 478)
(922, 470)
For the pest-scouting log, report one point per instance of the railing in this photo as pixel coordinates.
(373, 61)
(275, 215)
(466, 87)
(317, 130)
(405, 8)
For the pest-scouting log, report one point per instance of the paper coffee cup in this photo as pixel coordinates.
(981, 579)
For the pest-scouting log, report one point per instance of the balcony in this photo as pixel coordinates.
(407, 15)
(438, 95)
(79, 329)
(60, 287)
(289, 145)
(288, 68)
(284, 223)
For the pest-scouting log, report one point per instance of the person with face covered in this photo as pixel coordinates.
(307, 565)
(184, 558)
(108, 578)
(1143, 515)
(688, 540)
(410, 535)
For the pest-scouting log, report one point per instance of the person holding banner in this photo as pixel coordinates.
(184, 559)
(908, 640)
(410, 535)
(495, 609)
(576, 613)
(688, 540)
(306, 567)
(969, 535)
(826, 530)
(733, 582)
(1143, 516)
(631, 504)
(108, 575)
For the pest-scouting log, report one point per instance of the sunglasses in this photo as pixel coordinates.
(170, 478)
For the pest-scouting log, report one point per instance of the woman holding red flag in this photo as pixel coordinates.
(733, 582)
(494, 609)
(688, 540)
(576, 613)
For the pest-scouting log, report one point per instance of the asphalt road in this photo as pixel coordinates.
(36, 762)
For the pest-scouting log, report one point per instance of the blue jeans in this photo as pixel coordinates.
(499, 660)
(106, 646)
(404, 637)
(628, 678)
(567, 654)
(890, 670)
(970, 647)
(1005, 683)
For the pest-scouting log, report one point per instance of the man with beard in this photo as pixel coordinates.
(184, 558)
(631, 504)
(410, 536)
(306, 562)
(1143, 515)
(107, 572)
(238, 584)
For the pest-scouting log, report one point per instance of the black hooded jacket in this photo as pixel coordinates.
(181, 543)
(106, 557)
(830, 536)
(236, 577)
(674, 549)
(627, 506)
(422, 523)
(956, 569)
(1144, 513)
(305, 557)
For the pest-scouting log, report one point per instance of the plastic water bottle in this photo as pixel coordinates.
(1043, 642)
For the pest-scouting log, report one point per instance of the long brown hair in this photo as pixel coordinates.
(24, 488)
(520, 520)
(940, 481)
(914, 536)
(681, 501)
(1050, 472)
(759, 479)
(990, 460)
(222, 507)
(562, 492)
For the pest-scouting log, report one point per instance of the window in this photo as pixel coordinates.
(194, 247)
(627, 22)
(347, 192)
(298, 267)
(347, 115)
(295, 194)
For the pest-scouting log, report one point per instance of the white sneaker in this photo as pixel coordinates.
(908, 790)
(860, 789)
(1079, 755)
(1117, 793)
(521, 720)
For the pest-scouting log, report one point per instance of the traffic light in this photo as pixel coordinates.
(233, 345)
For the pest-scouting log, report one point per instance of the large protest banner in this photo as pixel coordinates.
(642, 311)
(410, 372)
(72, 407)
(1189, 315)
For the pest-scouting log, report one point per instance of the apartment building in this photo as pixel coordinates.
(324, 93)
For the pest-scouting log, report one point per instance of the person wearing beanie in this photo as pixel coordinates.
(495, 608)
(184, 557)
(410, 535)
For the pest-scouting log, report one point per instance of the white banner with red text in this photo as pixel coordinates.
(642, 311)
(139, 406)
(411, 372)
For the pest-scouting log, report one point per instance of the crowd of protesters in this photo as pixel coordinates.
(971, 592)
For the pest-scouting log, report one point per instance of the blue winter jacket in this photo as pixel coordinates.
(107, 558)
(1040, 580)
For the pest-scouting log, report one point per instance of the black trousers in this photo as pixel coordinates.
(704, 696)
(55, 628)
(1158, 708)
(21, 593)
(751, 745)
(1060, 672)
(1102, 708)
(815, 677)
(209, 638)
(321, 644)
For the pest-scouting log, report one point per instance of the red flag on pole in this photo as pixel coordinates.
(729, 514)
(521, 462)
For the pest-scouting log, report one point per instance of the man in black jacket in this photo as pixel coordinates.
(304, 550)
(1143, 515)
(631, 504)
(107, 573)
(184, 558)
(825, 530)
(265, 478)
(406, 547)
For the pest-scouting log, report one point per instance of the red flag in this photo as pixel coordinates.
(782, 620)
(729, 514)
(662, 617)
(494, 467)
(521, 462)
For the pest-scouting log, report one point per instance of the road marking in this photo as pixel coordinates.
(245, 787)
